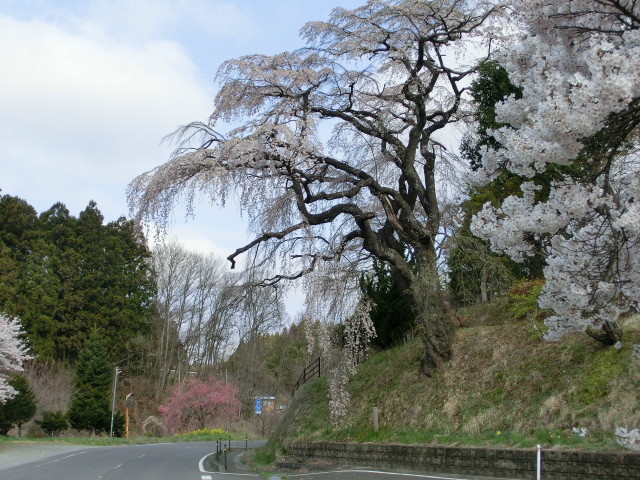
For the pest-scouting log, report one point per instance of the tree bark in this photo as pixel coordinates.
(483, 286)
(609, 334)
(433, 322)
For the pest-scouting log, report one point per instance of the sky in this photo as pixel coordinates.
(89, 88)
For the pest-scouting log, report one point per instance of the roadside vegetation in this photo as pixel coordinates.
(504, 386)
(202, 435)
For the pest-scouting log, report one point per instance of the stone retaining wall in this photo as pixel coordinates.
(487, 462)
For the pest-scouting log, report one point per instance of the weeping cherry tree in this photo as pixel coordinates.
(340, 146)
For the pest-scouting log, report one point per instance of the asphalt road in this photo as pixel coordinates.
(170, 461)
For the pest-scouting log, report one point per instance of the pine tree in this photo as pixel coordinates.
(19, 409)
(90, 406)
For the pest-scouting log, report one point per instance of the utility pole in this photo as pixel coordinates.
(113, 403)
(226, 415)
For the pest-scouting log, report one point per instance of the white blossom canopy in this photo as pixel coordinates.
(338, 144)
(578, 63)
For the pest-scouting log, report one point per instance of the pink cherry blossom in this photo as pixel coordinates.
(200, 404)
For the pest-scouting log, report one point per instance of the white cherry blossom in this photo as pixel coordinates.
(578, 63)
(13, 353)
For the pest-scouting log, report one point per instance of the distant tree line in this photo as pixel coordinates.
(64, 276)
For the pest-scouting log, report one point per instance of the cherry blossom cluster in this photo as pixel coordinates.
(358, 333)
(319, 342)
(578, 63)
(13, 352)
(198, 404)
(339, 398)
(628, 438)
(318, 338)
(574, 76)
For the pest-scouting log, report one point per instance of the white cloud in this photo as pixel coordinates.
(89, 87)
(151, 18)
(90, 112)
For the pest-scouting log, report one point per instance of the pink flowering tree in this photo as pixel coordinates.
(13, 352)
(573, 139)
(198, 404)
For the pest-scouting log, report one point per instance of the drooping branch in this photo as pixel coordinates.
(383, 76)
(263, 238)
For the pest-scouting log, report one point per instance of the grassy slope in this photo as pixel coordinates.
(504, 386)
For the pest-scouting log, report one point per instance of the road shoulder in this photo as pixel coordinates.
(13, 454)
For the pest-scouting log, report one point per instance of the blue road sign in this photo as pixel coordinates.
(258, 406)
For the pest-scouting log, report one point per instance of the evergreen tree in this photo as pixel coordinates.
(127, 289)
(490, 88)
(18, 232)
(64, 275)
(18, 225)
(53, 423)
(84, 288)
(19, 409)
(392, 315)
(90, 405)
(475, 273)
(57, 297)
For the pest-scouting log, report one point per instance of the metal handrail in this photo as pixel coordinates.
(311, 371)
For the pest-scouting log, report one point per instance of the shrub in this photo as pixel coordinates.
(523, 304)
(53, 423)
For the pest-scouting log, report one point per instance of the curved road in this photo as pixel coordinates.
(169, 461)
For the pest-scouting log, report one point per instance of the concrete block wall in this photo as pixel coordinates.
(487, 462)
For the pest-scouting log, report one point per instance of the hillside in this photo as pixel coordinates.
(504, 386)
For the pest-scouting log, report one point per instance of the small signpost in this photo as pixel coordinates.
(128, 404)
(259, 412)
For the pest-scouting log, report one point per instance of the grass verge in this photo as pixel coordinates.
(505, 386)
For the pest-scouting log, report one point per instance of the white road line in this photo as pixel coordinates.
(58, 459)
(417, 475)
(202, 470)
(201, 463)
(206, 477)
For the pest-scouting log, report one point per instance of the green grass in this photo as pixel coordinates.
(207, 435)
(503, 387)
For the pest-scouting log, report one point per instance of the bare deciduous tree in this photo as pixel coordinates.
(196, 304)
(204, 310)
(386, 80)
